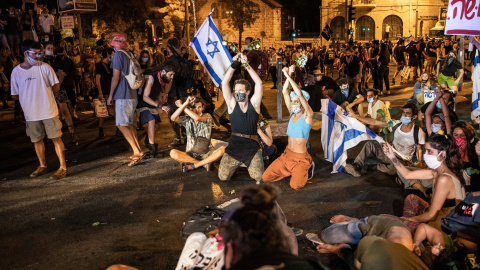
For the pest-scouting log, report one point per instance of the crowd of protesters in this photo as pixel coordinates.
(430, 149)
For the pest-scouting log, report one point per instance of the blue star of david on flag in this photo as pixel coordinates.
(215, 49)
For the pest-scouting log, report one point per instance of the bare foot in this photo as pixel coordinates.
(327, 248)
(341, 218)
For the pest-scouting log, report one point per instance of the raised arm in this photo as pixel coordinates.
(303, 101)
(258, 91)
(286, 94)
(175, 117)
(446, 114)
(226, 90)
(428, 112)
(417, 174)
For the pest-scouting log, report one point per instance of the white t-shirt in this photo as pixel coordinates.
(46, 22)
(372, 110)
(405, 143)
(387, 28)
(34, 88)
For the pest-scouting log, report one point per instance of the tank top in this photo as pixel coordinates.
(299, 129)
(154, 93)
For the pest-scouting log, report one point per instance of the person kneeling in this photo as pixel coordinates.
(198, 126)
(295, 161)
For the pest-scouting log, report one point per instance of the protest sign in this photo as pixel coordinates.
(463, 18)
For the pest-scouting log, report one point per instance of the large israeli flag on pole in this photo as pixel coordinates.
(208, 45)
(476, 90)
(340, 133)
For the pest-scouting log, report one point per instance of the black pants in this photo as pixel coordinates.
(383, 73)
(273, 73)
(375, 78)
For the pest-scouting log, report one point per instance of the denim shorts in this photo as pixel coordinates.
(346, 232)
(124, 110)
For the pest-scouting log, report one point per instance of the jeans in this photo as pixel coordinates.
(344, 232)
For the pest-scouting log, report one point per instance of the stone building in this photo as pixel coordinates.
(405, 17)
(267, 27)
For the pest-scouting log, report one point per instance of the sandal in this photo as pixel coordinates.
(187, 167)
(313, 237)
(136, 159)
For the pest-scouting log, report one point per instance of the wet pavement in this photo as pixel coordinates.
(106, 213)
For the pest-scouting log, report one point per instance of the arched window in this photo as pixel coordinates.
(338, 27)
(396, 27)
(365, 28)
(215, 10)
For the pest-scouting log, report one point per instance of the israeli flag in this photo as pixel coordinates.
(340, 133)
(208, 45)
(476, 90)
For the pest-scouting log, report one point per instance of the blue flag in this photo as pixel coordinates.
(208, 45)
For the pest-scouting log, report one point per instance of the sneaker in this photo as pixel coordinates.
(175, 143)
(352, 170)
(311, 170)
(39, 171)
(59, 174)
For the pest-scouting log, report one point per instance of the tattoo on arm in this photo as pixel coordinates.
(395, 161)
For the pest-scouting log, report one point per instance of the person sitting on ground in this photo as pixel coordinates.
(266, 139)
(440, 123)
(449, 101)
(198, 127)
(348, 98)
(254, 237)
(315, 92)
(467, 142)
(243, 146)
(375, 104)
(422, 85)
(383, 243)
(408, 139)
(295, 161)
(444, 162)
(151, 102)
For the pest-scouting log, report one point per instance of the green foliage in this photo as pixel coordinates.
(244, 14)
(390, 123)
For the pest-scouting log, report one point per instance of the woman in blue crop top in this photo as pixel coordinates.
(295, 161)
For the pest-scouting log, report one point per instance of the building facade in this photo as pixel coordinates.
(403, 18)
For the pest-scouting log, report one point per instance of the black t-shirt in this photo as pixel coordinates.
(450, 70)
(412, 54)
(105, 73)
(352, 69)
(431, 53)
(399, 56)
(316, 96)
(329, 57)
(339, 98)
(448, 48)
(12, 26)
(329, 83)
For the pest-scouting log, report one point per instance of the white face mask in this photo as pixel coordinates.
(32, 61)
(432, 161)
(49, 53)
(295, 109)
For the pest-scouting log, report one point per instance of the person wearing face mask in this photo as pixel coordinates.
(445, 168)
(440, 123)
(34, 83)
(448, 98)
(408, 139)
(449, 68)
(422, 85)
(145, 60)
(375, 104)
(295, 161)
(348, 98)
(152, 102)
(243, 147)
(351, 68)
(324, 81)
(103, 79)
(46, 22)
(467, 142)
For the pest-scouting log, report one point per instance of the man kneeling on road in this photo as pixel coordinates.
(198, 127)
(408, 139)
(243, 146)
(34, 83)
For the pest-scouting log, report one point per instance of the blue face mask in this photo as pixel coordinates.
(370, 100)
(240, 96)
(405, 120)
(439, 105)
(344, 91)
(435, 128)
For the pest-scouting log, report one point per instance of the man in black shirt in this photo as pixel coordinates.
(431, 56)
(448, 68)
(398, 54)
(351, 67)
(325, 82)
(413, 62)
(348, 98)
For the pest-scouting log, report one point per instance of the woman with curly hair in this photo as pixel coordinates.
(445, 168)
(464, 135)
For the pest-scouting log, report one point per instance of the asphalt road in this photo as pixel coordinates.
(106, 213)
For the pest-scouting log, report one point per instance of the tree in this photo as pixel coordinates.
(243, 14)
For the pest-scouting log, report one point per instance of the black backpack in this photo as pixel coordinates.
(465, 219)
(204, 220)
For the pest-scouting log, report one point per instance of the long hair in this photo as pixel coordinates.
(256, 225)
(453, 160)
(469, 132)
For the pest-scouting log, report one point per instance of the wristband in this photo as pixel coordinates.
(235, 64)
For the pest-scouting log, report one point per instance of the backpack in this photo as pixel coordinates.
(203, 220)
(135, 76)
(465, 217)
(391, 135)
